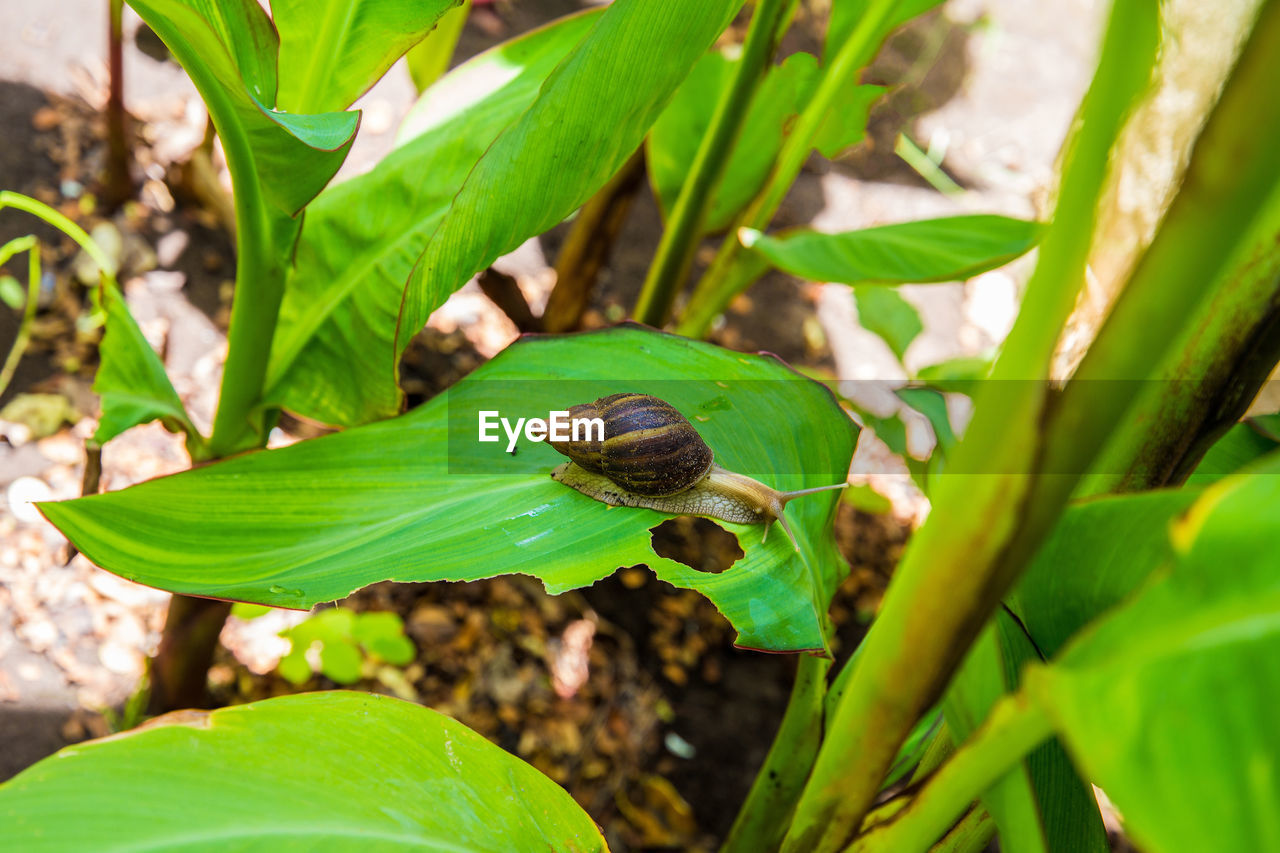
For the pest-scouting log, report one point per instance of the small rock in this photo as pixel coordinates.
(111, 242)
(23, 493)
(46, 118)
(171, 246)
(120, 659)
(39, 634)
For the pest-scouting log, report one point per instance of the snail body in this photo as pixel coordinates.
(651, 456)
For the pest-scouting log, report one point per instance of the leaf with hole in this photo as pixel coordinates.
(419, 498)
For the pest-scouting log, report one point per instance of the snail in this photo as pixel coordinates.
(651, 456)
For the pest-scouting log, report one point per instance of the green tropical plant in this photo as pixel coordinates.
(346, 644)
(1071, 612)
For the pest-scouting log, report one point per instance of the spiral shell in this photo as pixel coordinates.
(649, 448)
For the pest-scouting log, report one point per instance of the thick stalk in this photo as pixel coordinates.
(1015, 727)
(180, 670)
(680, 238)
(968, 553)
(264, 236)
(1222, 361)
(972, 834)
(262, 240)
(1232, 177)
(762, 820)
(713, 292)
(116, 184)
(504, 292)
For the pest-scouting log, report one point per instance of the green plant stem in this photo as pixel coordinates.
(940, 749)
(713, 293)
(925, 167)
(1222, 360)
(1228, 350)
(261, 240)
(762, 820)
(680, 238)
(973, 546)
(1015, 727)
(972, 834)
(43, 211)
(1232, 175)
(29, 245)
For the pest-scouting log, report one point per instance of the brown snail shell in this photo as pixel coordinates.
(649, 448)
(651, 456)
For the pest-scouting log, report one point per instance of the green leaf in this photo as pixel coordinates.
(846, 123)
(294, 667)
(131, 379)
(846, 13)
(313, 771)
(229, 48)
(867, 499)
(340, 661)
(244, 611)
(383, 634)
(429, 58)
(331, 357)
(1041, 805)
(933, 406)
(883, 311)
(331, 51)
(1099, 552)
(334, 624)
(674, 139)
(1168, 704)
(398, 651)
(370, 627)
(956, 375)
(1267, 425)
(419, 498)
(930, 250)
(592, 113)
(1241, 445)
(957, 565)
(12, 293)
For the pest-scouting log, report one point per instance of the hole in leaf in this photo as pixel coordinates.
(699, 543)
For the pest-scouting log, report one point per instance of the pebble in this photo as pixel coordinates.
(23, 493)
